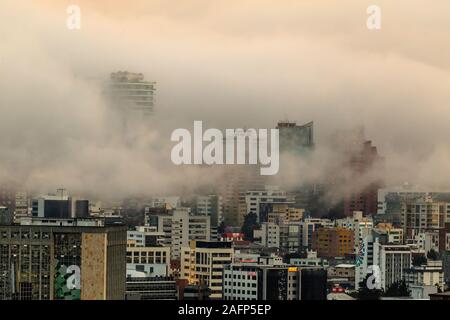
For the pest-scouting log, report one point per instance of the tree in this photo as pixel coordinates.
(419, 260)
(398, 289)
(221, 228)
(250, 224)
(364, 293)
(433, 255)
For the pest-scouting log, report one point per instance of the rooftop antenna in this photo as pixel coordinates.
(62, 191)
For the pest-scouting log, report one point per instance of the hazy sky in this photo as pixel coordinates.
(229, 63)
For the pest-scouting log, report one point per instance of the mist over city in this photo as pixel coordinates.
(361, 113)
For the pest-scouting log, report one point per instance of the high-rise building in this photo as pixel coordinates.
(210, 205)
(237, 181)
(6, 216)
(130, 92)
(390, 201)
(54, 259)
(422, 215)
(296, 138)
(393, 261)
(358, 164)
(21, 206)
(179, 227)
(202, 263)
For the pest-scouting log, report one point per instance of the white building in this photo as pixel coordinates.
(271, 195)
(392, 261)
(270, 235)
(179, 227)
(425, 279)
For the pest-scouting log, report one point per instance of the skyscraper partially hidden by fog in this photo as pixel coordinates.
(129, 92)
(295, 138)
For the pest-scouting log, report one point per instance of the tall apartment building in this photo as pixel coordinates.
(179, 227)
(253, 281)
(390, 201)
(393, 261)
(210, 205)
(21, 206)
(202, 263)
(423, 214)
(359, 164)
(54, 259)
(268, 235)
(333, 242)
(296, 138)
(237, 181)
(130, 92)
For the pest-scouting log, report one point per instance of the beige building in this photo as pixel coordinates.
(283, 213)
(202, 263)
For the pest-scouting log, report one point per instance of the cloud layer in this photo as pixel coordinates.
(229, 63)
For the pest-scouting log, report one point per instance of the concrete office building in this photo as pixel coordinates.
(54, 259)
(252, 281)
(59, 206)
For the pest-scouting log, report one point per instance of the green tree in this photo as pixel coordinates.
(364, 293)
(250, 224)
(221, 228)
(433, 255)
(398, 289)
(419, 260)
